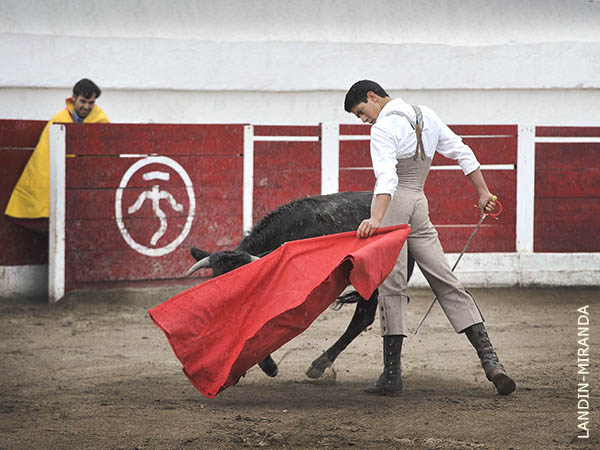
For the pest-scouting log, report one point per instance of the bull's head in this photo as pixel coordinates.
(220, 262)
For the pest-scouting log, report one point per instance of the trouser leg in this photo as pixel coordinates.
(456, 302)
(393, 301)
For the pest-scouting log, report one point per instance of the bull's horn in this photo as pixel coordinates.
(253, 258)
(199, 265)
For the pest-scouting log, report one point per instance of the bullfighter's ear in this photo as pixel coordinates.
(198, 254)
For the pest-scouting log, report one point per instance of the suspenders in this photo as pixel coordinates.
(417, 126)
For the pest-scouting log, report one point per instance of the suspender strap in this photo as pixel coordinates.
(418, 127)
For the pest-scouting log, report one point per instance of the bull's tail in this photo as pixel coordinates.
(350, 297)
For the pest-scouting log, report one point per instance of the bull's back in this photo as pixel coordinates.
(308, 217)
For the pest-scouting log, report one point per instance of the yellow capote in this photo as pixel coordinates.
(30, 198)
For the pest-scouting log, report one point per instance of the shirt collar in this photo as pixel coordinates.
(390, 106)
(76, 118)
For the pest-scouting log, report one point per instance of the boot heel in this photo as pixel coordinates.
(504, 384)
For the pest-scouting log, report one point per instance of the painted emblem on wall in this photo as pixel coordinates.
(155, 196)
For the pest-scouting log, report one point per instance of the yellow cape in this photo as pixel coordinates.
(30, 198)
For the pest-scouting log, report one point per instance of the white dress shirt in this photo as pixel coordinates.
(393, 138)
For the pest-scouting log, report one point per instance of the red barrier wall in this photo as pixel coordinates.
(19, 246)
(567, 192)
(96, 250)
(451, 195)
(285, 170)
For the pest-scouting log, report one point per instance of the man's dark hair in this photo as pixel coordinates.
(86, 88)
(358, 93)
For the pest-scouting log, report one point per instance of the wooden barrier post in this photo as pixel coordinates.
(56, 256)
(525, 188)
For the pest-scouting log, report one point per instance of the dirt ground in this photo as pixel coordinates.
(95, 372)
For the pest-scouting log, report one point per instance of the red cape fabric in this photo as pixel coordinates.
(224, 326)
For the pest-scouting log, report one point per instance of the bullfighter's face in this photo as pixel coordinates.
(368, 111)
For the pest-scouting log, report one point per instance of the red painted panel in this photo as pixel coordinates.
(100, 203)
(452, 197)
(20, 133)
(96, 251)
(287, 130)
(477, 130)
(208, 232)
(567, 190)
(355, 154)
(89, 267)
(569, 211)
(107, 171)
(567, 131)
(566, 237)
(164, 139)
(13, 163)
(490, 237)
(21, 246)
(281, 187)
(356, 180)
(488, 150)
(361, 130)
(557, 183)
(284, 171)
(286, 155)
(566, 224)
(567, 156)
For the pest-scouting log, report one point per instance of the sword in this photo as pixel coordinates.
(483, 216)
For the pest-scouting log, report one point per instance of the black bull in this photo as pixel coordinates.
(300, 219)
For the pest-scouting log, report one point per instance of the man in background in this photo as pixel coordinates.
(29, 204)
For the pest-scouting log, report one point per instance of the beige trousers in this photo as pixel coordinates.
(410, 206)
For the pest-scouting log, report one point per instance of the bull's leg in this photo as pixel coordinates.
(364, 314)
(268, 366)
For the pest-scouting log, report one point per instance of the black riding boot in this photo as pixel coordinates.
(390, 381)
(494, 370)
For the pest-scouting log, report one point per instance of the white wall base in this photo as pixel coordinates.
(23, 281)
(526, 269)
(474, 270)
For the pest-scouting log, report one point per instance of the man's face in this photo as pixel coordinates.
(83, 106)
(369, 111)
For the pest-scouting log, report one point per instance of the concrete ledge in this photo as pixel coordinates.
(192, 64)
(482, 270)
(527, 269)
(24, 281)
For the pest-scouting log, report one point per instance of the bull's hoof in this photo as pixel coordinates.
(268, 366)
(318, 366)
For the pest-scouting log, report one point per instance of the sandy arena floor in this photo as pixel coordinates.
(95, 372)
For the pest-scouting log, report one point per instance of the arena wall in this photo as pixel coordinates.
(269, 62)
(289, 63)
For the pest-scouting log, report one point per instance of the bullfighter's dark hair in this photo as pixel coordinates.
(86, 88)
(358, 93)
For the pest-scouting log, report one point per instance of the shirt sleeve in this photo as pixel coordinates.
(383, 157)
(451, 146)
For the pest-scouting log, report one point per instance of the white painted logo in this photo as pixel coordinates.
(154, 197)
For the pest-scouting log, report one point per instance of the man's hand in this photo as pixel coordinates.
(487, 203)
(367, 227)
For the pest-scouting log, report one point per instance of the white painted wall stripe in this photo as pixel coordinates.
(330, 158)
(248, 178)
(286, 138)
(525, 188)
(56, 253)
(566, 140)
